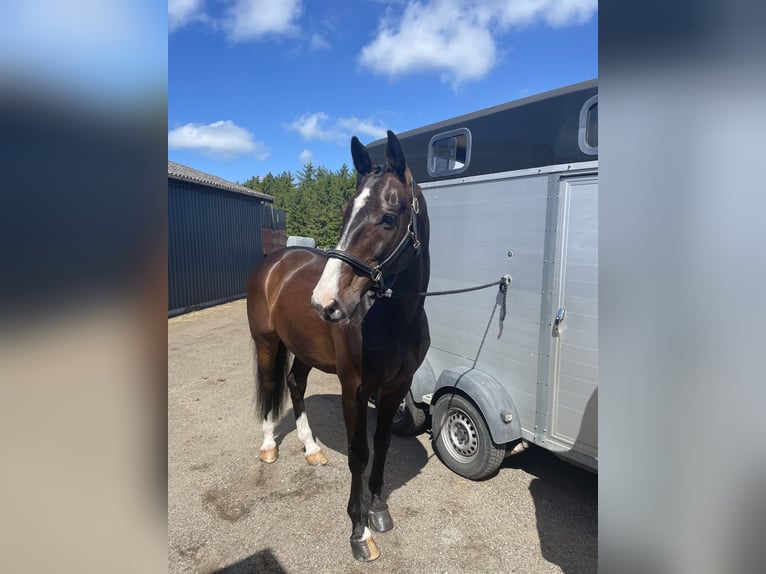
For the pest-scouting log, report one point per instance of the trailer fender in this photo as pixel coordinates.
(423, 383)
(488, 395)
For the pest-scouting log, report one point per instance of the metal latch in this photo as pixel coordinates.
(560, 315)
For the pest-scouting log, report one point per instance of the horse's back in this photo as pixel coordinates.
(293, 255)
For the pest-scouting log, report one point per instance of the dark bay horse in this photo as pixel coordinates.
(327, 311)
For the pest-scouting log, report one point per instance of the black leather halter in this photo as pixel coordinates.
(389, 265)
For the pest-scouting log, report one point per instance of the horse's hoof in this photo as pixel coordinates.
(268, 455)
(365, 549)
(316, 458)
(381, 520)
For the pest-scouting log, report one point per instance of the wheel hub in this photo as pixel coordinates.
(463, 438)
(399, 411)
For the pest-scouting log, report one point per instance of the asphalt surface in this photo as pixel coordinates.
(230, 513)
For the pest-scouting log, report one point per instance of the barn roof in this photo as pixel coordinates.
(185, 173)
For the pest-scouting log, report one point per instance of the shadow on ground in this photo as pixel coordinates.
(565, 497)
(406, 455)
(263, 562)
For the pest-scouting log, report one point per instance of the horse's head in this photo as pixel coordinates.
(379, 237)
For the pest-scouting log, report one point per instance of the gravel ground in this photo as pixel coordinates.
(230, 513)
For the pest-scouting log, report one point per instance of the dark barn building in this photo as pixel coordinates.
(217, 232)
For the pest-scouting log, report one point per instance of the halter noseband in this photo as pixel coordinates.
(384, 269)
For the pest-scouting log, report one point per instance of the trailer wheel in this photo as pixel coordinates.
(409, 418)
(462, 440)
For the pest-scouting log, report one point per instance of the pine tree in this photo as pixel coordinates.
(312, 200)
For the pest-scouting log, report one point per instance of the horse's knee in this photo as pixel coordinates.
(357, 461)
(356, 467)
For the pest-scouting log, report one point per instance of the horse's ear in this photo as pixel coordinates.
(361, 156)
(395, 155)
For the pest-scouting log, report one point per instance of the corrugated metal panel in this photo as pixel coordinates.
(273, 218)
(214, 241)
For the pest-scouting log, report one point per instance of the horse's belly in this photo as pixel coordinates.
(311, 348)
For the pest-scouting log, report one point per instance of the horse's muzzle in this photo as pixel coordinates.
(332, 313)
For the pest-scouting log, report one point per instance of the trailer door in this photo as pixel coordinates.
(573, 406)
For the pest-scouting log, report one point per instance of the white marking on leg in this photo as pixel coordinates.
(268, 433)
(305, 434)
(367, 534)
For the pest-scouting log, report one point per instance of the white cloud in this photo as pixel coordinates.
(223, 139)
(355, 126)
(247, 20)
(460, 39)
(439, 36)
(318, 42)
(322, 127)
(252, 19)
(306, 157)
(556, 13)
(312, 126)
(183, 12)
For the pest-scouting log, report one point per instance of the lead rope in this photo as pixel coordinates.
(501, 300)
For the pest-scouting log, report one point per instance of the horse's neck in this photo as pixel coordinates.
(414, 279)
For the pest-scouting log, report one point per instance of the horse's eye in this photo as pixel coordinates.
(387, 220)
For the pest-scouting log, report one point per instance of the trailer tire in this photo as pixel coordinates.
(409, 418)
(461, 438)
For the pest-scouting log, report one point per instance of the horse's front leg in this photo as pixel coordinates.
(386, 405)
(363, 547)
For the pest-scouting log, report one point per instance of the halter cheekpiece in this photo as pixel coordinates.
(386, 268)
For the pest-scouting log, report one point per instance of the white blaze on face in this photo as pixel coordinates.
(359, 203)
(329, 283)
(327, 288)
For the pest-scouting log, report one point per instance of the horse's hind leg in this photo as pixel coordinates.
(296, 381)
(270, 364)
(269, 452)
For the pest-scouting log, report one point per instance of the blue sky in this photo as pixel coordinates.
(258, 86)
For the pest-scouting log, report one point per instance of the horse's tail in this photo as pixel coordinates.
(270, 391)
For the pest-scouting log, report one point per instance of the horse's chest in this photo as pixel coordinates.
(391, 353)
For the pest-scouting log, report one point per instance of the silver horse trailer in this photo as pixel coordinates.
(512, 191)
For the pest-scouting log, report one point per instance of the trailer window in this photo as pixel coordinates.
(588, 132)
(449, 152)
